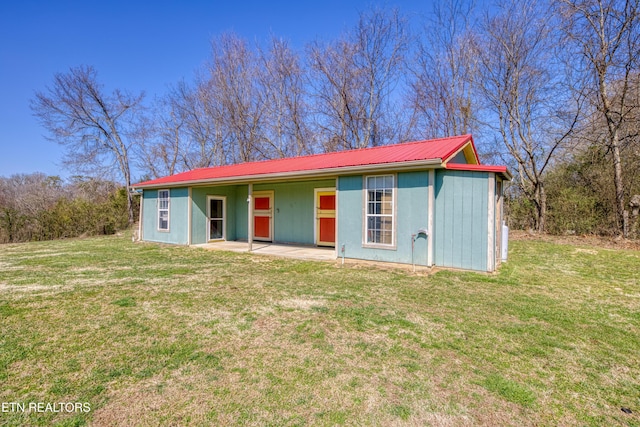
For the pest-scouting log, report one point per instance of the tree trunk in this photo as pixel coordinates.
(542, 208)
(126, 171)
(130, 205)
(623, 219)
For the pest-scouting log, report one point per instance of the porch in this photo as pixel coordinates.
(274, 249)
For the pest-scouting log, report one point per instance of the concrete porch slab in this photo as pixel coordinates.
(275, 249)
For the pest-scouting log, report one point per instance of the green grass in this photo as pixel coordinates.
(159, 335)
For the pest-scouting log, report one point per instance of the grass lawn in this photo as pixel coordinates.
(157, 335)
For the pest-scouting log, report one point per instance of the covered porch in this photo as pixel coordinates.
(289, 212)
(274, 249)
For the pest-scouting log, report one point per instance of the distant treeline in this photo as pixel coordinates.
(581, 196)
(40, 207)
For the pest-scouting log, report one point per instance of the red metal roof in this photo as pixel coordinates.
(481, 168)
(429, 150)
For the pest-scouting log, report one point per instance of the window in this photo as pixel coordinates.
(380, 210)
(163, 210)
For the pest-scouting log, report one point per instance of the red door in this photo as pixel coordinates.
(263, 216)
(326, 218)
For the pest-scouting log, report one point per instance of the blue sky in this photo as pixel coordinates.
(136, 46)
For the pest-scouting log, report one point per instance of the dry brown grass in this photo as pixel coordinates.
(158, 335)
(586, 240)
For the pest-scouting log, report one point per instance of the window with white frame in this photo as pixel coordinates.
(379, 221)
(163, 209)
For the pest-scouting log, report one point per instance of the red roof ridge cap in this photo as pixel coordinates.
(465, 137)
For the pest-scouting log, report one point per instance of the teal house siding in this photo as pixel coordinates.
(178, 224)
(293, 214)
(461, 219)
(412, 203)
(350, 216)
(199, 220)
(242, 213)
(460, 216)
(293, 203)
(412, 212)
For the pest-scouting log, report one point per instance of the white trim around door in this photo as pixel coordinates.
(216, 218)
(326, 214)
(263, 215)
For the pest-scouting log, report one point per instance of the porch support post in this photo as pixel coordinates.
(250, 217)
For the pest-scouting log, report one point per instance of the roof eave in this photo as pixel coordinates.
(503, 171)
(315, 173)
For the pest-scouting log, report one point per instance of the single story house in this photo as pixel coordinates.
(429, 203)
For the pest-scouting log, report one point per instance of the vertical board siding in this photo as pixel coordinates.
(460, 216)
(350, 211)
(241, 217)
(293, 213)
(293, 209)
(199, 220)
(412, 215)
(412, 201)
(178, 208)
(460, 229)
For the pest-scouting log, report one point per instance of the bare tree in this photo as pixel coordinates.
(606, 36)
(182, 134)
(285, 122)
(232, 88)
(192, 129)
(443, 71)
(337, 106)
(245, 104)
(525, 94)
(354, 80)
(160, 149)
(95, 127)
(204, 130)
